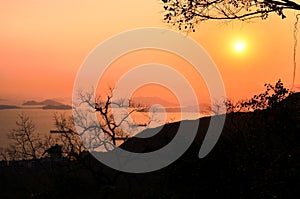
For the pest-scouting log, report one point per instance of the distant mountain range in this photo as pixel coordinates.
(170, 106)
(48, 104)
(148, 101)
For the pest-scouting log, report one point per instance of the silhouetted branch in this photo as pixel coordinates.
(185, 14)
(112, 116)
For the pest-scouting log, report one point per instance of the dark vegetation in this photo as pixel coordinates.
(187, 14)
(257, 156)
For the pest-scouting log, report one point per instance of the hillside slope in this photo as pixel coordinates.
(257, 156)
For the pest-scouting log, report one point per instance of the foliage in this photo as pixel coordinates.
(265, 100)
(185, 14)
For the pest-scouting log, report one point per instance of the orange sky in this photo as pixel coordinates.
(43, 44)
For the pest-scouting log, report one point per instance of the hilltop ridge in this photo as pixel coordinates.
(256, 156)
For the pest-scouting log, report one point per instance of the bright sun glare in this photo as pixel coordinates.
(239, 46)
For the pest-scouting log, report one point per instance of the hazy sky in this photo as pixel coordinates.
(43, 44)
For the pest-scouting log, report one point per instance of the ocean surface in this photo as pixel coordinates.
(44, 120)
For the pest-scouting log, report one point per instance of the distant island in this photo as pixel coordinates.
(48, 104)
(60, 107)
(2, 107)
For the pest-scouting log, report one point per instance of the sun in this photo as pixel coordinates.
(239, 46)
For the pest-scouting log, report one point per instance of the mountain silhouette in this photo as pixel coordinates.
(47, 102)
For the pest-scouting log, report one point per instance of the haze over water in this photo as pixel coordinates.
(44, 120)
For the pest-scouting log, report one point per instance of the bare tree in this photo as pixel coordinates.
(185, 14)
(114, 120)
(68, 137)
(26, 143)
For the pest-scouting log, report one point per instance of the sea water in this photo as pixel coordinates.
(44, 120)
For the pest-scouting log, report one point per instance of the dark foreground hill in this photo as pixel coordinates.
(257, 156)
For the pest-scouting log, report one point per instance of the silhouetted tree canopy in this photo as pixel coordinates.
(187, 13)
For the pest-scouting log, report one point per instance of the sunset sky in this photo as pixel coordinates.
(43, 44)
